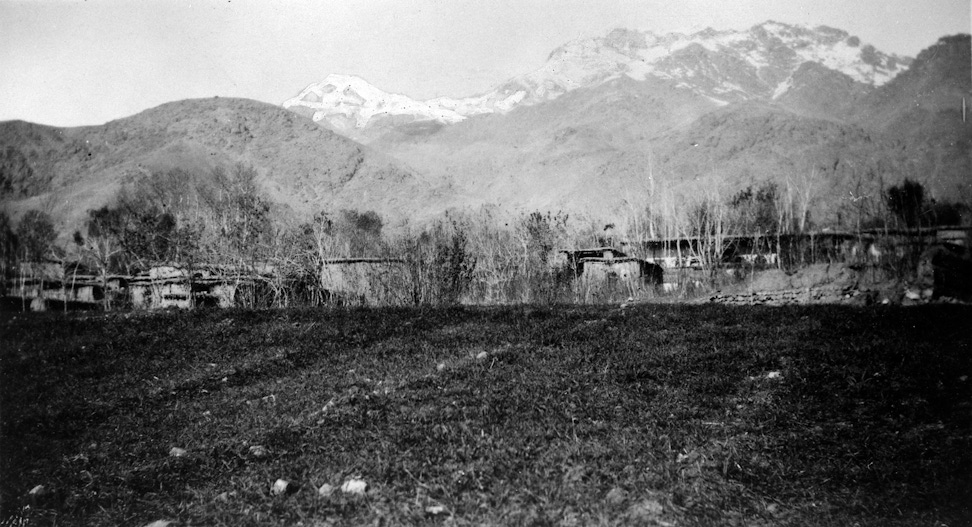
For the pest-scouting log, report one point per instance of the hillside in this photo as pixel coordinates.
(577, 153)
(922, 110)
(607, 121)
(302, 167)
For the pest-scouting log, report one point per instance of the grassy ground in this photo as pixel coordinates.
(656, 415)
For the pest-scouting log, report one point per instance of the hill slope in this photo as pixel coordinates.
(813, 109)
(302, 167)
(922, 110)
(578, 153)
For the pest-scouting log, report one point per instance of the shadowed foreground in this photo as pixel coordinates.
(655, 415)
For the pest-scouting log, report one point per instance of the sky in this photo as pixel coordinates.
(77, 62)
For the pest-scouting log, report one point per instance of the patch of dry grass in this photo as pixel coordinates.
(657, 415)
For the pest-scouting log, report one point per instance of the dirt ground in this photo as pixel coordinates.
(823, 283)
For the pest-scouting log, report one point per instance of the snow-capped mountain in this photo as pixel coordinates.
(348, 104)
(606, 128)
(725, 66)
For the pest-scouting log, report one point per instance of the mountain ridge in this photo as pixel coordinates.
(727, 66)
(599, 148)
(608, 149)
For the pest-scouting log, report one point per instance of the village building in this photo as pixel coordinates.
(943, 257)
(364, 281)
(166, 286)
(601, 271)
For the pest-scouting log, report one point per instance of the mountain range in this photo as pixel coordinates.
(605, 127)
(724, 67)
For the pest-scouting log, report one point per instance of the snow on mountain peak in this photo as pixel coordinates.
(348, 101)
(719, 65)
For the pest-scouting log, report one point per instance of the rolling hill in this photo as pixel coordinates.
(302, 167)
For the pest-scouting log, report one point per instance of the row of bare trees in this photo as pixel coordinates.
(708, 211)
(487, 256)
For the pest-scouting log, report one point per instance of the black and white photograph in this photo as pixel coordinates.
(486, 263)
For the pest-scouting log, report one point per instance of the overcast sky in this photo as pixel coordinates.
(69, 63)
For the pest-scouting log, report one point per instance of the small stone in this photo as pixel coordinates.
(772, 508)
(40, 496)
(616, 496)
(435, 510)
(441, 366)
(160, 523)
(178, 452)
(646, 509)
(281, 486)
(354, 486)
(774, 375)
(259, 451)
(326, 490)
(482, 355)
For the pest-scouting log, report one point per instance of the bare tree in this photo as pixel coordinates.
(100, 249)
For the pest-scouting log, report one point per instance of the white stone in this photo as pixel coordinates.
(482, 355)
(281, 486)
(326, 490)
(435, 510)
(354, 486)
(178, 452)
(616, 496)
(646, 510)
(258, 451)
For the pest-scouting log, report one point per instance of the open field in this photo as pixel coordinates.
(653, 415)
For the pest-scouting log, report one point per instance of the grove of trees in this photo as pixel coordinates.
(486, 256)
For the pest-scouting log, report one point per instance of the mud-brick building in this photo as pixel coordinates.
(53, 285)
(603, 271)
(175, 286)
(364, 281)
